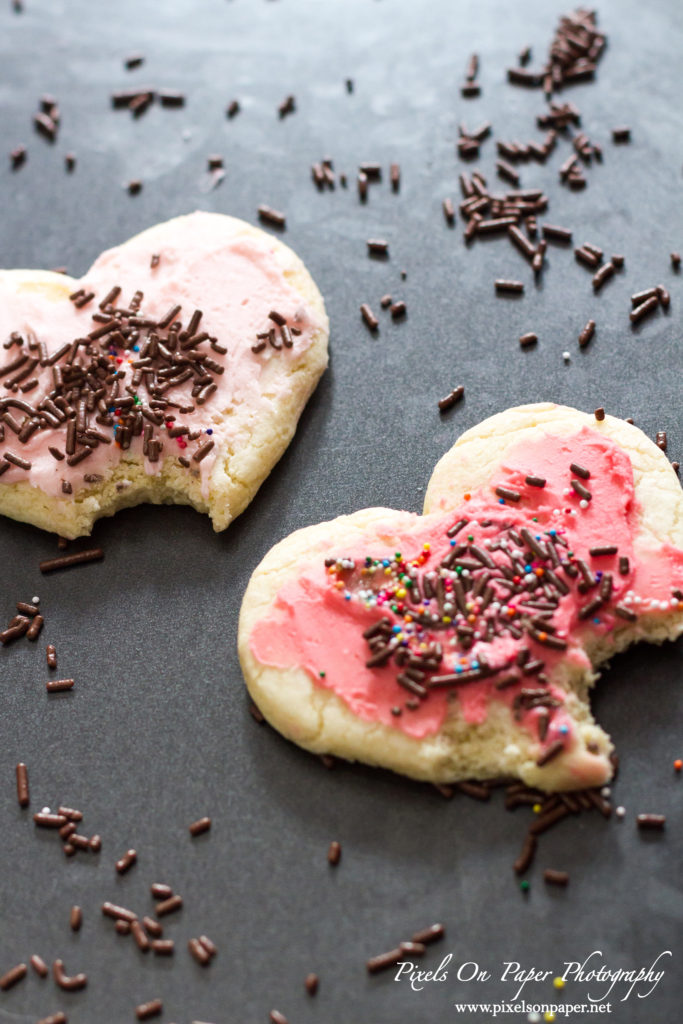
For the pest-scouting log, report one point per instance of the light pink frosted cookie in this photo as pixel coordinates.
(174, 371)
(463, 643)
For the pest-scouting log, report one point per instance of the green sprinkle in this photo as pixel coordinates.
(524, 886)
(321, 674)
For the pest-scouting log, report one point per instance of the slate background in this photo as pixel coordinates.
(157, 731)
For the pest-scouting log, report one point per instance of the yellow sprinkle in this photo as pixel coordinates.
(548, 1015)
(427, 547)
(387, 571)
(447, 619)
(537, 808)
(558, 982)
(400, 592)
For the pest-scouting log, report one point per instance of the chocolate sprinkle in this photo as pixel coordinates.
(66, 561)
(12, 976)
(272, 217)
(553, 877)
(22, 785)
(508, 494)
(383, 961)
(197, 828)
(551, 752)
(369, 317)
(452, 398)
(151, 1009)
(504, 287)
(651, 821)
(334, 853)
(523, 862)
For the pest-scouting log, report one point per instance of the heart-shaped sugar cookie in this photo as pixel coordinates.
(463, 643)
(174, 371)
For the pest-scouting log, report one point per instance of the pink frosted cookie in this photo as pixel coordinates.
(463, 643)
(174, 371)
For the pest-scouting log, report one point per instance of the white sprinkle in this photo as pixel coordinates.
(583, 503)
(606, 792)
(534, 1018)
(46, 810)
(620, 812)
(35, 600)
(566, 356)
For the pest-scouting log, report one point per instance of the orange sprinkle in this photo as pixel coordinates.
(467, 496)
(539, 571)
(542, 636)
(678, 764)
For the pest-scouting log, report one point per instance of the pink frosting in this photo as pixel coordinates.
(317, 625)
(234, 281)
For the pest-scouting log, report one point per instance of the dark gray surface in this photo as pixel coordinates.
(157, 731)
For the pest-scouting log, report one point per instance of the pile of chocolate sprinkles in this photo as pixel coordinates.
(279, 336)
(644, 303)
(47, 120)
(89, 402)
(397, 308)
(415, 946)
(146, 930)
(465, 599)
(27, 622)
(137, 101)
(325, 179)
(573, 56)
